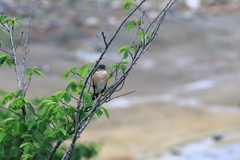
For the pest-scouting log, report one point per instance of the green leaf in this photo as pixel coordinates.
(34, 68)
(127, 5)
(99, 112)
(7, 97)
(126, 51)
(133, 47)
(40, 138)
(2, 17)
(106, 112)
(63, 131)
(50, 103)
(43, 110)
(15, 102)
(2, 55)
(51, 134)
(3, 58)
(17, 20)
(70, 85)
(130, 24)
(36, 145)
(25, 156)
(15, 152)
(26, 149)
(24, 144)
(139, 32)
(0, 45)
(6, 21)
(59, 114)
(84, 70)
(39, 73)
(139, 22)
(73, 71)
(86, 98)
(67, 97)
(120, 50)
(23, 127)
(142, 38)
(16, 128)
(114, 64)
(74, 87)
(123, 67)
(1, 150)
(26, 135)
(45, 101)
(8, 119)
(9, 61)
(11, 22)
(65, 111)
(30, 124)
(60, 94)
(2, 135)
(27, 69)
(72, 80)
(65, 75)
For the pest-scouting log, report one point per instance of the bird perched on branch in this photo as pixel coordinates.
(100, 79)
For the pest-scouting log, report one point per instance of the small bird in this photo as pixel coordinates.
(100, 79)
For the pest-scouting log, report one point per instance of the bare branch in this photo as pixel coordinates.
(15, 57)
(141, 49)
(25, 47)
(104, 39)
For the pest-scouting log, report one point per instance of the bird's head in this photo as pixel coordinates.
(101, 67)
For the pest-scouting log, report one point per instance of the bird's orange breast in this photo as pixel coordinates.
(100, 78)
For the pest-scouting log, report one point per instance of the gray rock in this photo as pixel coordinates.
(91, 22)
(217, 136)
(176, 150)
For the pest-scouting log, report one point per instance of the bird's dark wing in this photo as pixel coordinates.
(106, 80)
(94, 77)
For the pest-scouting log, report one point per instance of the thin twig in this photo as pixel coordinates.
(5, 51)
(121, 95)
(104, 39)
(28, 84)
(17, 138)
(10, 111)
(3, 26)
(6, 43)
(19, 40)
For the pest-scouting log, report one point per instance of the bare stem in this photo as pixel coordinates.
(25, 48)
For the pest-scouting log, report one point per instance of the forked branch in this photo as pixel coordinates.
(140, 50)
